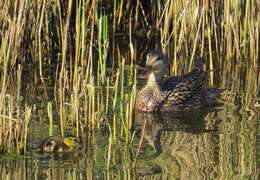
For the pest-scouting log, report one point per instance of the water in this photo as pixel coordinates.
(220, 142)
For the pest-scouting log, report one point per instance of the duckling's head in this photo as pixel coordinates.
(156, 66)
(48, 145)
(71, 142)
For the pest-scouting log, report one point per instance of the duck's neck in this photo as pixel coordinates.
(154, 82)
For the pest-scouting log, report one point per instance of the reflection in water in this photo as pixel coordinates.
(53, 168)
(220, 144)
(183, 144)
(214, 143)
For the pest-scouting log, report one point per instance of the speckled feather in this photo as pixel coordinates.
(151, 99)
(177, 93)
(187, 87)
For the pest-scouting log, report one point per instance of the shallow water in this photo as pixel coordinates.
(213, 143)
(220, 142)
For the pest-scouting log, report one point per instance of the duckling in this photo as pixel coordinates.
(177, 93)
(68, 144)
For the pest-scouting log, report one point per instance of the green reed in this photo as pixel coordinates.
(14, 118)
(95, 81)
(50, 116)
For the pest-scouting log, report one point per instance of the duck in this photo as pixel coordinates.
(176, 93)
(59, 145)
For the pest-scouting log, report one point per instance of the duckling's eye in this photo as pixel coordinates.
(49, 143)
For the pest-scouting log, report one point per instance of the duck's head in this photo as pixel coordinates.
(156, 66)
(71, 142)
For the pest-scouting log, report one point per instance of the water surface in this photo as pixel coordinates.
(217, 142)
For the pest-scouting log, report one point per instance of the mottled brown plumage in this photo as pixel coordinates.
(177, 93)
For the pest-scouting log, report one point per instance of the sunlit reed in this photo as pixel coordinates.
(92, 83)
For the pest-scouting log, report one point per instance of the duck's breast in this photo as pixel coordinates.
(149, 100)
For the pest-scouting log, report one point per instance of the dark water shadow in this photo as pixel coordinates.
(160, 132)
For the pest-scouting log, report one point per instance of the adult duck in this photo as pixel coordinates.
(177, 93)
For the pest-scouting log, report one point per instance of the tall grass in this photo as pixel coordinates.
(95, 81)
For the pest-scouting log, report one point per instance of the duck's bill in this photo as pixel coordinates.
(145, 72)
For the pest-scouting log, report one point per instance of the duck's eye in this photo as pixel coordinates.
(156, 68)
(158, 58)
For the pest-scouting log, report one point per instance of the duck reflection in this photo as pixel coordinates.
(183, 144)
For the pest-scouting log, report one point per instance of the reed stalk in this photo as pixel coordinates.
(49, 111)
(93, 82)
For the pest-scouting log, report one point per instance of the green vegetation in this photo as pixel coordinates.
(75, 39)
(73, 63)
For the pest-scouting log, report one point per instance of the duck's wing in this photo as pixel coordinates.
(171, 83)
(185, 87)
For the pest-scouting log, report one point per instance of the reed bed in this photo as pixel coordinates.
(75, 48)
